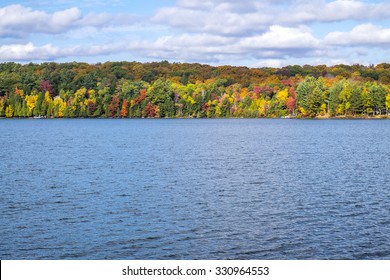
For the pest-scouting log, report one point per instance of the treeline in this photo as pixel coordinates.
(162, 89)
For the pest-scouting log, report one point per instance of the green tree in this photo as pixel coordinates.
(378, 93)
(356, 100)
(161, 94)
(311, 94)
(367, 101)
(40, 108)
(334, 100)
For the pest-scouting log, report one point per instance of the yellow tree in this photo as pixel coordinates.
(79, 95)
(91, 93)
(345, 97)
(259, 107)
(31, 101)
(218, 111)
(282, 96)
(48, 98)
(263, 107)
(59, 107)
(243, 94)
(323, 109)
(2, 105)
(388, 102)
(9, 112)
(281, 99)
(367, 101)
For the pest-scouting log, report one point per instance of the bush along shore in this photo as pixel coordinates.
(182, 90)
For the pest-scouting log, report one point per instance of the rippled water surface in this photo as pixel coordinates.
(195, 189)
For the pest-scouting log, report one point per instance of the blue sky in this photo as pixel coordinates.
(221, 32)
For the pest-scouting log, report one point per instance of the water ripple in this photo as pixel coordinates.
(195, 189)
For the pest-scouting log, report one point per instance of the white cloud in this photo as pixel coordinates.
(186, 47)
(361, 35)
(270, 63)
(279, 37)
(19, 21)
(281, 42)
(17, 52)
(30, 52)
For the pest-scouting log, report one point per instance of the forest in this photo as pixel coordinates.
(191, 90)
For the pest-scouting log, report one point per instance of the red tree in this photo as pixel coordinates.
(142, 96)
(152, 110)
(47, 86)
(124, 111)
(292, 92)
(291, 104)
(113, 107)
(92, 106)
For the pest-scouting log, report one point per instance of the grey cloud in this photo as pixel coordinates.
(252, 16)
(186, 47)
(213, 21)
(261, 30)
(339, 10)
(278, 42)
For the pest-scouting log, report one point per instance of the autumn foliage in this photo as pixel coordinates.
(162, 89)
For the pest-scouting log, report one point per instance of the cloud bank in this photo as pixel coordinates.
(219, 32)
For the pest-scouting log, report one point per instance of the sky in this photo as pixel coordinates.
(253, 33)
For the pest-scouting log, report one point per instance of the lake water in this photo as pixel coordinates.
(195, 189)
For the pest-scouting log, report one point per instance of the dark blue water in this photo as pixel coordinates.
(195, 189)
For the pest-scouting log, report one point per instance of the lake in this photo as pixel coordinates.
(194, 189)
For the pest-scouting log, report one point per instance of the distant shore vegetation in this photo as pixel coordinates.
(184, 90)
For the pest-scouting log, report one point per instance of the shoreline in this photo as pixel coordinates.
(381, 117)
